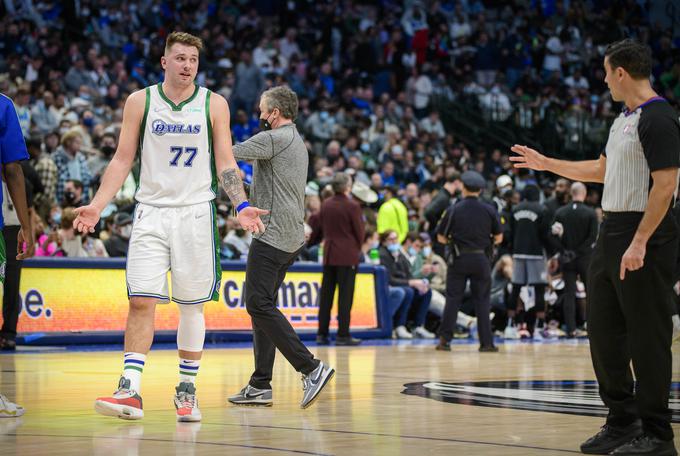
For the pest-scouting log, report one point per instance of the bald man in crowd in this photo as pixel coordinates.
(575, 230)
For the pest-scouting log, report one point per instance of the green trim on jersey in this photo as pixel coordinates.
(3, 258)
(173, 105)
(142, 130)
(218, 266)
(213, 163)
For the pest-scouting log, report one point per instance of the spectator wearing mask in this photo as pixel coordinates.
(575, 227)
(44, 114)
(73, 194)
(417, 293)
(343, 233)
(71, 164)
(117, 244)
(47, 173)
(99, 161)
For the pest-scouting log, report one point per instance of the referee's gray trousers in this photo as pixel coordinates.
(265, 271)
(630, 320)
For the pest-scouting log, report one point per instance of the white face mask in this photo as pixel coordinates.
(126, 231)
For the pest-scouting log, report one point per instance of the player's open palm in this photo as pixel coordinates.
(249, 218)
(527, 158)
(25, 244)
(87, 218)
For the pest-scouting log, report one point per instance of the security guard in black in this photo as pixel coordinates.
(470, 228)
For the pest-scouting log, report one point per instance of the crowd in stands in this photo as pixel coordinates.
(374, 80)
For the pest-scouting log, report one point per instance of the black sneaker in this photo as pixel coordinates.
(488, 349)
(322, 340)
(443, 345)
(646, 444)
(351, 341)
(7, 344)
(610, 438)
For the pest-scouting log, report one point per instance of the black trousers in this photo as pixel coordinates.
(11, 304)
(629, 320)
(265, 271)
(570, 273)
(344, 277)
(476, 267)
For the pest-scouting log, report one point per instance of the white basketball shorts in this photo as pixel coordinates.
(183, 240)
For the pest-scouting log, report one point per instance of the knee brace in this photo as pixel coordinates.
(191, 330)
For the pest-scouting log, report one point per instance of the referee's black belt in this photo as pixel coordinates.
(621, 214)
(469, 250)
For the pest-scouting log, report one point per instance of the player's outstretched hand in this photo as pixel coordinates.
(249, 218)
(87, 218)
(527, 158)
(25, 244)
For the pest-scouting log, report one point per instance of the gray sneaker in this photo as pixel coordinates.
(253, 396)
(313, 383)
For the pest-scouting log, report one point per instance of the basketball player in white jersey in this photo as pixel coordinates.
(182, 132)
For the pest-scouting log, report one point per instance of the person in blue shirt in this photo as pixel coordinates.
(13, 150)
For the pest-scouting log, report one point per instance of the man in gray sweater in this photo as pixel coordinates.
(280, 161)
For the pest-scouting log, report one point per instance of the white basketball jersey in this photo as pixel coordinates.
(177, 162)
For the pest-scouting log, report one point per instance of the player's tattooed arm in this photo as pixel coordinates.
(233, 186)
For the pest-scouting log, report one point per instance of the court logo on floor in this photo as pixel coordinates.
(575, 397)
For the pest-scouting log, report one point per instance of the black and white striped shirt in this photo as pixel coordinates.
(641, 141)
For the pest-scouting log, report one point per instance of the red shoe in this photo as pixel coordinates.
(186, 403)
(125, 403)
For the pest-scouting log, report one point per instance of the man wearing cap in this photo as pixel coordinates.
(503, 185)
(342, 229)
(469, 228)
(117, 244)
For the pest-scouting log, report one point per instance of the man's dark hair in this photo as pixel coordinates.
(34, 142)
(531, 193)
(110, 134)
(632, 56)
(76, 184)
(393, 189)
(452, 176)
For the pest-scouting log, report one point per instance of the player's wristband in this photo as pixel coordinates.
(242, 206)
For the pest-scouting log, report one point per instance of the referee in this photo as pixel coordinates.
(630, 276)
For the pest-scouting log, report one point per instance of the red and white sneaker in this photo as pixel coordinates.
(125, 403)
(186, 403)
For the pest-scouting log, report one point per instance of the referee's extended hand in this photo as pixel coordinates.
(527, 158)
(633, 259)
(249, 218)
(87, 218)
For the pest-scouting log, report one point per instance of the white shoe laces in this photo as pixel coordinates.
(187, 400)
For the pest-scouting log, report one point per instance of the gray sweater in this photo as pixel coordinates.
(280, 162)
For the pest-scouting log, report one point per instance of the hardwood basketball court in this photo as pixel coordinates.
(461, 402)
